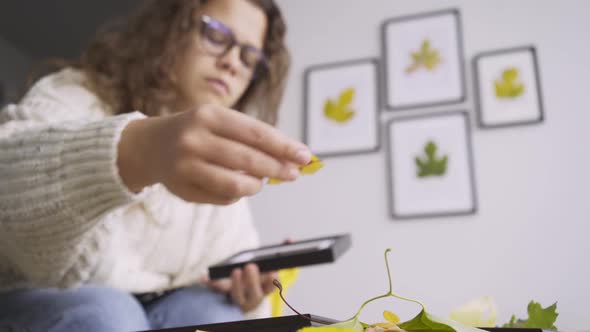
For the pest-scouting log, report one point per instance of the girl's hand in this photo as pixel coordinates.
(209, 155)
(247, 287)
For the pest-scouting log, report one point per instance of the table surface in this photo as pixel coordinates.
(290, 323)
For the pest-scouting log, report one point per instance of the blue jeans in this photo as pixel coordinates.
(94, 309)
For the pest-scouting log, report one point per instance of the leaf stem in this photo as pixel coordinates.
(367, 302)
(389, 293)
(388, 270)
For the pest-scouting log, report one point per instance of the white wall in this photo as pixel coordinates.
(14, 66)
(529, 239)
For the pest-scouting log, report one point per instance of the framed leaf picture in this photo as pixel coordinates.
(341, 108)
(508, 87)
(423, 57)
(430, 165)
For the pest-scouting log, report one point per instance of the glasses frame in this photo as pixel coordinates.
(209, 22)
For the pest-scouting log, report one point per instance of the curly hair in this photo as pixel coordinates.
(129, 63)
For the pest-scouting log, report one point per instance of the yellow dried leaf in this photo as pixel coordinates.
(313, 166)
(274, 181)
(346, 97)
(391, 317)
(383, 325)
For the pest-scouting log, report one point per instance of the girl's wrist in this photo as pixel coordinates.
(133, 159)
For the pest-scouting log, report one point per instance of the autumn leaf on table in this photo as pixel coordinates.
(313, 166)
(539, 317)
(340, 111)
(391, 317)
(509, 85)
(431, 165)
(439, 322)
(389, 325)
(425, 322)
(426, 57)
(479, 312)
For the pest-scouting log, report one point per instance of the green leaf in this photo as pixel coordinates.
(420, 164)
(539, 317)
(430, 149)
(425, 322)
(431, 165)
(439, 167)
(457, 326)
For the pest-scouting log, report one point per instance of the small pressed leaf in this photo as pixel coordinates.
(313, 166)
(390, 317)
(429, 164)
(426, 57)
(510, 74)
(346, 97)
(340, 111)
(274, 181)
(430, 149)
(509, 85)
(329, 108)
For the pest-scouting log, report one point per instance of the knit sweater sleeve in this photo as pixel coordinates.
(58, 176)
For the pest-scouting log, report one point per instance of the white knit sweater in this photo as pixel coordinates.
(66, 218)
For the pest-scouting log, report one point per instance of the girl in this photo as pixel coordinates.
(122, 176)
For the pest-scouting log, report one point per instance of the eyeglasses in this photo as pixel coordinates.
(218, 39)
